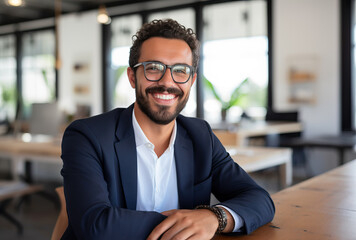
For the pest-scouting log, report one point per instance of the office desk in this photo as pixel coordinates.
(253, 159)
(340, 142)
(238, 134)
(37, 149)
(323, 207)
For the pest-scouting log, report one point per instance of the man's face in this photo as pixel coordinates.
(162, 101)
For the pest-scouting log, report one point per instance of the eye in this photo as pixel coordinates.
(181, 69)
(154, 67)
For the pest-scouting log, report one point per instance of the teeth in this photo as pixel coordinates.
(164, 97)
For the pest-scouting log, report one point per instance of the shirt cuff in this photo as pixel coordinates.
(239, 222)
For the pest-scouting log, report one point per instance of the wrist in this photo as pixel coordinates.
(220, 215)
(230, 220)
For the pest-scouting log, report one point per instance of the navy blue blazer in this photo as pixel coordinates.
(100, 178)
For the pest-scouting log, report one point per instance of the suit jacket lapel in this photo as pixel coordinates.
(184, 157)
(127, 156)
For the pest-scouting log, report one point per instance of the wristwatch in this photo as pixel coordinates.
(219, 213)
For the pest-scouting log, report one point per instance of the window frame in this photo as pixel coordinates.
(347, 71)
(19, 56)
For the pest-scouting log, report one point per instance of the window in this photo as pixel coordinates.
(7, 78)
(123, 28)
(184, 16)
(234, 53)
(38, 69)
(230, 53)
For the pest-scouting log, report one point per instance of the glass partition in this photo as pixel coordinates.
(122, 28)
(7, 78)
(38, 69)
(235, 60)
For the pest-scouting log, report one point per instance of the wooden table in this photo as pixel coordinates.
(323, 207)
(253, 159)
(37, 148)
(238, 135)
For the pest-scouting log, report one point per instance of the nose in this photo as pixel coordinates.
(167, 79)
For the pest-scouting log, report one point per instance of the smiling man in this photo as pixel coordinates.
(147, 172)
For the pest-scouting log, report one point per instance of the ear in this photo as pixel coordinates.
(194, 78)
(131, 76)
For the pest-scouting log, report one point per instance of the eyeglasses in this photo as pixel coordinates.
(154, 71)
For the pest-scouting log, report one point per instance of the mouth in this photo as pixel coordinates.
(164, 96)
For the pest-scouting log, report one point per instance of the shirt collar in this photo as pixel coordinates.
(141, 138)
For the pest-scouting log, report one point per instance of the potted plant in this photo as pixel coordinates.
(237, 98)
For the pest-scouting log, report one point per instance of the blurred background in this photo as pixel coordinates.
(261, 61)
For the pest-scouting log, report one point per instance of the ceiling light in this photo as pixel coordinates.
(103, 16)
(15, 3)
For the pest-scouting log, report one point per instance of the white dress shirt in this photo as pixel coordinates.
(157, 188)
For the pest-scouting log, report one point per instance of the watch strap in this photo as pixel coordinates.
(219, 213)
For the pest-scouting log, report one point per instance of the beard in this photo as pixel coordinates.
(161, 116)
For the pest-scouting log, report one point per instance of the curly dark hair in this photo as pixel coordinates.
(167, 28)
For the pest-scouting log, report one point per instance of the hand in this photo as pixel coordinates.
(186, 224)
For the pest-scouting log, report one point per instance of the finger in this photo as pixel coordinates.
(178, 232)
(183, 227)
(196, 237)
(161, 228)
(169, 212)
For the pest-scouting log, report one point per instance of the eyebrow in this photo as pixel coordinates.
(167, 64)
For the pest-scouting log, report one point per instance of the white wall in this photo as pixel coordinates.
(304, 29)
(310, 29)
(80, 43)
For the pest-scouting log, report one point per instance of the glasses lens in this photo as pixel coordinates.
(181, 73)
(154, 71)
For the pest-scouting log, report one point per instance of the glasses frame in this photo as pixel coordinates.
(165, 69)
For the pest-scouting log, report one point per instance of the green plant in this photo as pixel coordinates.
(118, 73)
(48, 85)
(7, 101)
(8, 94)
(237, 98)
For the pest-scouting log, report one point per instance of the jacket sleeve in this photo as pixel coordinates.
(91, 212)
(234, 188)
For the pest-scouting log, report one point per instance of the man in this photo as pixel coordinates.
(148, 172)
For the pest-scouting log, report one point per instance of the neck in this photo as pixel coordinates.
(157, 134)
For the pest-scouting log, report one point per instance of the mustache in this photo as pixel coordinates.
(161, 89)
